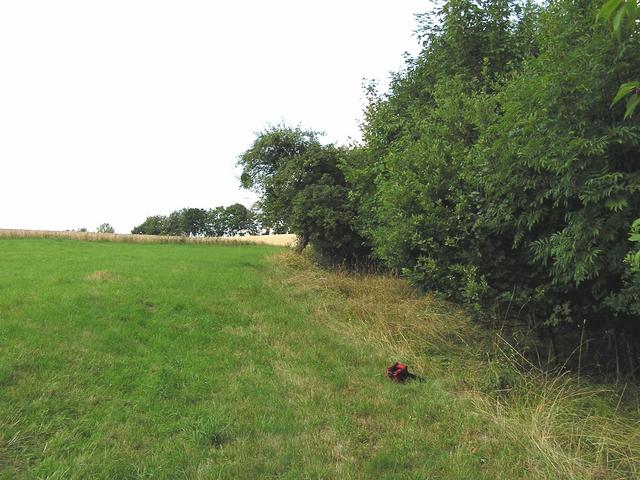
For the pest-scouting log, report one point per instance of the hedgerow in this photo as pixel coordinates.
(495, 169)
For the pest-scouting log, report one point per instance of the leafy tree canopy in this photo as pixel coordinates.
(105, 228)
(303, 189)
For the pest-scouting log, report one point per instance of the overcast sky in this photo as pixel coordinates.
(111, 111)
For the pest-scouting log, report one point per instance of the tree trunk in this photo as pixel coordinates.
(303, 241)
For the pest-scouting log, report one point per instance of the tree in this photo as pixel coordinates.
(258, 224)
(175, 224)
(105, 228)
(302, 189)
(215, 222)
(265, 166)
(238, 220)
(153, 225)
(193, 221)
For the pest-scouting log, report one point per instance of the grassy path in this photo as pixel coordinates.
(193, 361)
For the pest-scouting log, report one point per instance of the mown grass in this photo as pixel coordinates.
(202, 361)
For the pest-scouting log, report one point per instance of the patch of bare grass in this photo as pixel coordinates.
(101, 276)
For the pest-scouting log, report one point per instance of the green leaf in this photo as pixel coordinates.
(632, 103)
(624, 90)
(617, 22)
(608, 8)
(617, 204)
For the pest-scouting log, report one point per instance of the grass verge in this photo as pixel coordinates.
(550, 426)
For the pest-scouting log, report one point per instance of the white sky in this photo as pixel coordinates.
(111, 111)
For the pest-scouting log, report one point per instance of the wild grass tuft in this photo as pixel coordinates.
(560, 426)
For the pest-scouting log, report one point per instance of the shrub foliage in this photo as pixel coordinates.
(494, 170)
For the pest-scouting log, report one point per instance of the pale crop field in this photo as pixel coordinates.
(281, 240)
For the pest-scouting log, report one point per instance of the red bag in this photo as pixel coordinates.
(398, 372)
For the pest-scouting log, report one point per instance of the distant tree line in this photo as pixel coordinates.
(494, 171)
(102, 228)
(221, 221)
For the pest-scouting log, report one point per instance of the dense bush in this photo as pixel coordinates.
(494, 170)
(498, 171)
(562, 172)
(418, 170)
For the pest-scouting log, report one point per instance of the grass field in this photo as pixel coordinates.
(121, 360)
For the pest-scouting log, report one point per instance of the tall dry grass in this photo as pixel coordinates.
(284, 240)
(570, 428)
